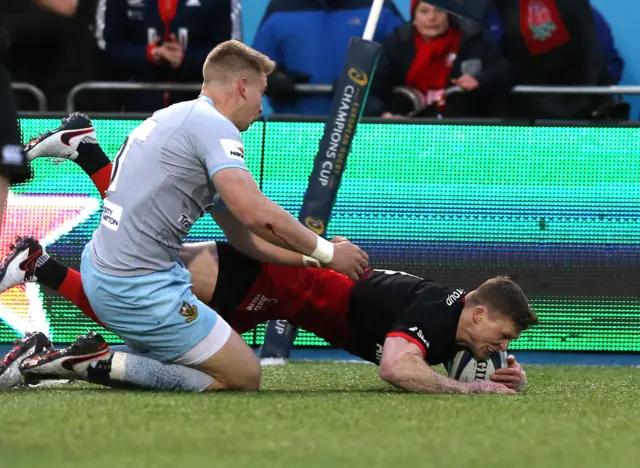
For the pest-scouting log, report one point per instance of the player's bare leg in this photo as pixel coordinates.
(201, 259)
(234, 367)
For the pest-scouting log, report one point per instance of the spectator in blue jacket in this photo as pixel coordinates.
(308, 40)
(160, 41)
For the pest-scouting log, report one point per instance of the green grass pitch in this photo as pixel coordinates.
(321, 414)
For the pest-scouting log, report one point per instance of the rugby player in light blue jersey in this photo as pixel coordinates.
(183, 161)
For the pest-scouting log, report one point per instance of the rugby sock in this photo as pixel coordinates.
(66, 281)
(95, 163)
(133, 371)
(101, 179)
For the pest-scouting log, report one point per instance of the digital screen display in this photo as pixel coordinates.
(555, 208)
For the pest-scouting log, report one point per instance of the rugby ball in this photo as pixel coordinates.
(466, 368)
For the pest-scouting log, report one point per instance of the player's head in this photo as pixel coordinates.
(494, 314)
(235, 77)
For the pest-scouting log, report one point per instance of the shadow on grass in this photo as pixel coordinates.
(100, 390)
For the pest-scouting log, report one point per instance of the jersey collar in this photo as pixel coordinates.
(207, 99)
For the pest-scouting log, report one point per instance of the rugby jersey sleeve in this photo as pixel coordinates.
(218, 144)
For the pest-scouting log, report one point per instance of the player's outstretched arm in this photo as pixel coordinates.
(272, 223)
(263, 217)
(403, 366)
(253, 246)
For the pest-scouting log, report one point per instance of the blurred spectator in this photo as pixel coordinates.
(432, 54)
(308, 39)
(615, 63)
(552, 42)
(51, 52)
(160, 41)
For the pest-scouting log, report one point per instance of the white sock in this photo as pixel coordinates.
(130, 370)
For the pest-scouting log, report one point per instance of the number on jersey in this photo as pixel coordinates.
(140, 133)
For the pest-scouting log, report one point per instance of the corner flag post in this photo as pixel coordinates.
(349, 99)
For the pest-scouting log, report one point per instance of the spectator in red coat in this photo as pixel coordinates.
(434, 53)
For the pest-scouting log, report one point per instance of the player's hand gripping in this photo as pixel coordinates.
(486, 386)
(348, 258)
(513, 376)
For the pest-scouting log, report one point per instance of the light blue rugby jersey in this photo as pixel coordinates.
(161, 184)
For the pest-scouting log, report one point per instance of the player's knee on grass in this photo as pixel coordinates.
(234, 367)
(223, 355)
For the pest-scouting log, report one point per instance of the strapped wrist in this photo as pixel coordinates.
(323, 252)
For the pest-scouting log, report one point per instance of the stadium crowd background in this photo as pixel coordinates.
(166, 41)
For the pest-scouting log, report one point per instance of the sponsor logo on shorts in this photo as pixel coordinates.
(111, 214)
(315, 224)
(233, 149)
(261, 302)
(358, 76)
(189, 311)
(454, 296)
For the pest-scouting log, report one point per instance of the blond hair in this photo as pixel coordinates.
(231, 58)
